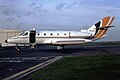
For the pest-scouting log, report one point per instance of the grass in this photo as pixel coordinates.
(103, 67)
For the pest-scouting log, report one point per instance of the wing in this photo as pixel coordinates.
(66, 41)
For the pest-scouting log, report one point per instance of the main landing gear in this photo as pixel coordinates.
(33, 45)
(60, 47)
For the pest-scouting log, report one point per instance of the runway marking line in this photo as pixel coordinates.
(22, 59)
(32, 69)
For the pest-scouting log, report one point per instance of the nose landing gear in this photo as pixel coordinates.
(18, 49)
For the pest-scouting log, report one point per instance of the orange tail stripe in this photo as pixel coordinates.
(111, 21)
(104, 23)
(103, 33)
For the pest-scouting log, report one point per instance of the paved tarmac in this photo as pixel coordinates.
(12, 62)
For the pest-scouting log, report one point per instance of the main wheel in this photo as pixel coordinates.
(60, 47)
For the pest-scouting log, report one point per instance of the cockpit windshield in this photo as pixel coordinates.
(24, 34)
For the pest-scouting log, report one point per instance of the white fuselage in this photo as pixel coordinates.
(52, 37)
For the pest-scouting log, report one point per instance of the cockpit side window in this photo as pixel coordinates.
(25, 34)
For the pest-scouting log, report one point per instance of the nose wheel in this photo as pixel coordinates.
(18, 49)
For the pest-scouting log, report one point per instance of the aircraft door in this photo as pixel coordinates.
(32, 36)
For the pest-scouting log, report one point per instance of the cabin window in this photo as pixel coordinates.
(38, 34)
(44, 34)
(65, 34)
(57, 34)
(51, 34)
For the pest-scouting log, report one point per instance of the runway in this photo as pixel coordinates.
(12, 62)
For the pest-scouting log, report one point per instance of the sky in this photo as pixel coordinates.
(59, 15)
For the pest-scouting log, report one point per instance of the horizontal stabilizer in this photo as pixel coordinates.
(106, 27)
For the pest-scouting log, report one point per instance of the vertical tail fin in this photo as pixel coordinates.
(100, 28)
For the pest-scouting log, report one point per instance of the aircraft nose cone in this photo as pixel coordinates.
(6, 41)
